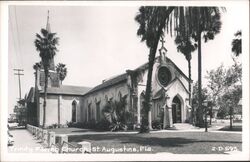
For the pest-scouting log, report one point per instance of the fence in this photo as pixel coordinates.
(48, 139)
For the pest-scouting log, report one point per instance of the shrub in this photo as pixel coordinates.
(117, 115)
(157, 124)
(103, 125)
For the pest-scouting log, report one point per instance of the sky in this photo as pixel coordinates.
(98, 42)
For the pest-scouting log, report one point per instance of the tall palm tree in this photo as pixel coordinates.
(205, 22)
(202, 21)
(199, 22)
(152, 21)
(61, 71)
(185, 46)
(46, 46)
(236, 44)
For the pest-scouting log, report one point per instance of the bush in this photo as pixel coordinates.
(91, 124)
(157, 124)
(103, 125)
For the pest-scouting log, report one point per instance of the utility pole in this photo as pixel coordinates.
(19, 80)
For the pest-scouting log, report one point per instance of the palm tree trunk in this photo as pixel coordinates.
(45, 96)
(189, 89)
(148, 98)
(199, 111)
(189, 83)
(147, 103)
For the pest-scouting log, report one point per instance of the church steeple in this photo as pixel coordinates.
(52, 62)
(48, 25)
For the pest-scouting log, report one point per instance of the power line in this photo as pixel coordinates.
(18, 38)
(14, 42)
(19, 80)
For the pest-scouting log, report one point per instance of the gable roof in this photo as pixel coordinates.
(123, 77)
(110, 82)
(172, 83)
(145, 65)
(177, 68)
(31, 95)
(67, 90)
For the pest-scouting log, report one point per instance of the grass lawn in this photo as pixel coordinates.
(173, 142)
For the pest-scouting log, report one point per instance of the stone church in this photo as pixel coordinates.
(170, 95)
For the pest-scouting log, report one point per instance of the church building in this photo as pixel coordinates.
(169, 90)
(170, 96)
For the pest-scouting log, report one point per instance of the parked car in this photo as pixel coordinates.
(10, 139)
(13, 125)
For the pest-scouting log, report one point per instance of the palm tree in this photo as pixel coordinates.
(61, 71)
(205, 22)
(236, 43)
(46, 46)
(198, 22)
(152, 21)
(185, 46)
(201, 21)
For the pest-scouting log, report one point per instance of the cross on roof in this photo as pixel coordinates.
(162, 41)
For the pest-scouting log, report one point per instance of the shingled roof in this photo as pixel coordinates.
(123, 77)
(107, 83)
(67, 90)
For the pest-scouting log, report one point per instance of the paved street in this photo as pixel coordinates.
(25, 143)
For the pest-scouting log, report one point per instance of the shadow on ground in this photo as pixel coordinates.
(234, 128)
(152, 141)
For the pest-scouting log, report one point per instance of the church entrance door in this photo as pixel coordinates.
(176, 110)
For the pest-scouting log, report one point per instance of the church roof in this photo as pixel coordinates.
(145, 66)
(110, 82)
(123, 77)
(31, 95)
(67, 90)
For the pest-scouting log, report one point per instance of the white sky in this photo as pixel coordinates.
(99, 42)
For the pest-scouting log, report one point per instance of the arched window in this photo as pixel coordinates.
(98, 111)
(119, 95)
(89, 112)
(73, 118)
(106, 98)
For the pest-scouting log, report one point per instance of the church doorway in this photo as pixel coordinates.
(176, 110)
(73, 111)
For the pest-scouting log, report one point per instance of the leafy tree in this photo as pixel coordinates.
(225, 89)
(236, 44)
(46, 46)
(61, 71)
(216, 83)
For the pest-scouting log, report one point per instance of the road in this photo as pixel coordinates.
(25, 143)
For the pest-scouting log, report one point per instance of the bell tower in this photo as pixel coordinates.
(53, 78)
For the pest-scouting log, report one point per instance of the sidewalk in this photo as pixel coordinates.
(24, 142)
